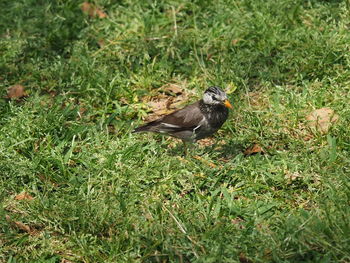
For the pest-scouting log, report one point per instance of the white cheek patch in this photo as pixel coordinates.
(207, 99)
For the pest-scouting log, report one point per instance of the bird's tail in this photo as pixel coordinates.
(146, 128)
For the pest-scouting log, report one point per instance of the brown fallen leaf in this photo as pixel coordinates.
(170, 97)
(81, 112)
(124, 101)
(206, 141)
(21, 226)
(16, 92)
(92, 10)
(235, 41)
(322, 119)
(243, 258)
(101, 43)
(238, 222)
(23, 196)
(160, 105)
(307, 137)
(256, 148)
(291, 176)
(172, 88)
(52, 93)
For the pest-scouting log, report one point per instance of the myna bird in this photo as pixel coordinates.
(195, 121)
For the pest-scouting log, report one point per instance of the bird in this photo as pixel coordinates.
(195, 121)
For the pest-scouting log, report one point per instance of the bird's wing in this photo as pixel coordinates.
(187, 118)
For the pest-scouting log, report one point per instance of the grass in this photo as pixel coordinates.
(102, 194)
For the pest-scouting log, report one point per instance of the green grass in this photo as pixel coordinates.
(102, 194)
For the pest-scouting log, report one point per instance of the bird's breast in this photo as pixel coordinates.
(216, 118)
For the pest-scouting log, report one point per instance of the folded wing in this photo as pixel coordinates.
(186, 119)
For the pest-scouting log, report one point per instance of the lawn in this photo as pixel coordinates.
(77, 186)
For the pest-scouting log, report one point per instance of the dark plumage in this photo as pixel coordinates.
(195, 121)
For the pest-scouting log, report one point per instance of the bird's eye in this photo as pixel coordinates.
(214, 98)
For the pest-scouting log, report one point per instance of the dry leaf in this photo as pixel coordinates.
(244, 259)
(322, 119)
(21, 226)
(169, 99)
(173, 88)
(124, 101)
(101, 43)
(238, 222)
(256, 148)
(23, 196)
(200, 175)
(181, 159)
(52, 93)
(206, 141)
(16, 92)
(92, 10)
(235, 41)
(81, 112)
(292, 176)
(160, 106)
(210, 164)
(169, 103)
(307, 137)
(230, 88)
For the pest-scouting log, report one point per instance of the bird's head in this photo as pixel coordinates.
(216, 96)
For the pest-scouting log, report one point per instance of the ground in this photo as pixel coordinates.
(271, 186)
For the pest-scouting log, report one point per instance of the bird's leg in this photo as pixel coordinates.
(185, 148)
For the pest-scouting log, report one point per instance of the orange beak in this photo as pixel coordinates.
(228, 104)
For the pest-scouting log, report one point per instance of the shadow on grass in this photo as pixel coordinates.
(179, 149)
(228, 150)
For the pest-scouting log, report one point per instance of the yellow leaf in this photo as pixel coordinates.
(231, 87)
